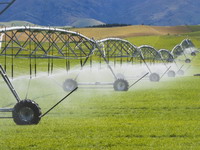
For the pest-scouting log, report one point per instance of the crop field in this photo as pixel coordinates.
(157, 116)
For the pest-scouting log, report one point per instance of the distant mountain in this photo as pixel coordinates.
(16, 23)
(95, 12)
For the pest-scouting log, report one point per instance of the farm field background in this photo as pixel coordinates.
(156, 36)
(162, 115)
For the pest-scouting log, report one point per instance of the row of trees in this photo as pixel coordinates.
(108, 25)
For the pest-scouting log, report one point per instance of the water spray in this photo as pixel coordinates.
(25, 112)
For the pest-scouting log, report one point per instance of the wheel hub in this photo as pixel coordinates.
(121, 86)
(26, 114)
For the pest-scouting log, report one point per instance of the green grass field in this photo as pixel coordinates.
(167, 41)
(162, 116)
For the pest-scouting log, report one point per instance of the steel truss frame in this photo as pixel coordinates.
(45, 43)
(187, 43)
(166, 55)
(31, 42)
(115, 50)
(124, 51)
(181, 49)
(189, 47)
(118, 50)
(177, 51)
(151, 55)
(169, 58)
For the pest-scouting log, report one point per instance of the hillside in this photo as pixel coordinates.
(93, 12)
(130, 31)
(16, 23)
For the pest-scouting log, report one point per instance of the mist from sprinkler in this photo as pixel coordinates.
(87, 74)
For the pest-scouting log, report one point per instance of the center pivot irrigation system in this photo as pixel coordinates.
(122, 51)
(168, 58)
(152, 57)
(184, 52)
(113, 52)
(35, 45)
(186, 49)
(39, 44)
(46, 45)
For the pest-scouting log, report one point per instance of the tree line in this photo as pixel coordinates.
(108, 25)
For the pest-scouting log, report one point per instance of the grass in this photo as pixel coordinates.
(165, 41)
(194, 28)
(160, 116)
(158, 42)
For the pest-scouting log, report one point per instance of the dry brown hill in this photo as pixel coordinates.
(130, 31)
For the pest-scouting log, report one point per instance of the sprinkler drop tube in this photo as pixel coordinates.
(58, 103)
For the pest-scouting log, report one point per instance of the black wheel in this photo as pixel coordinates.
(193, 54)
(69, 85)
(26, 112)
(154, 77)
(121, 85)
(180, 72)
(120, 76)
(187, 61)
(171, 73)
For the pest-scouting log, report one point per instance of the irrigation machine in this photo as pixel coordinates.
(110, 52)
(168, 59)
(65, 49)
(44, 44)
(117, 53)
(152, 58)
(184, 52)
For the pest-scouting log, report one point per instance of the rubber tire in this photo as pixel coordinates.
(187, 61)
(171, 73)
(121, 85)
(69, 85)
(180, 72)
(193, 54)
(154, 77)
(30, 106)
